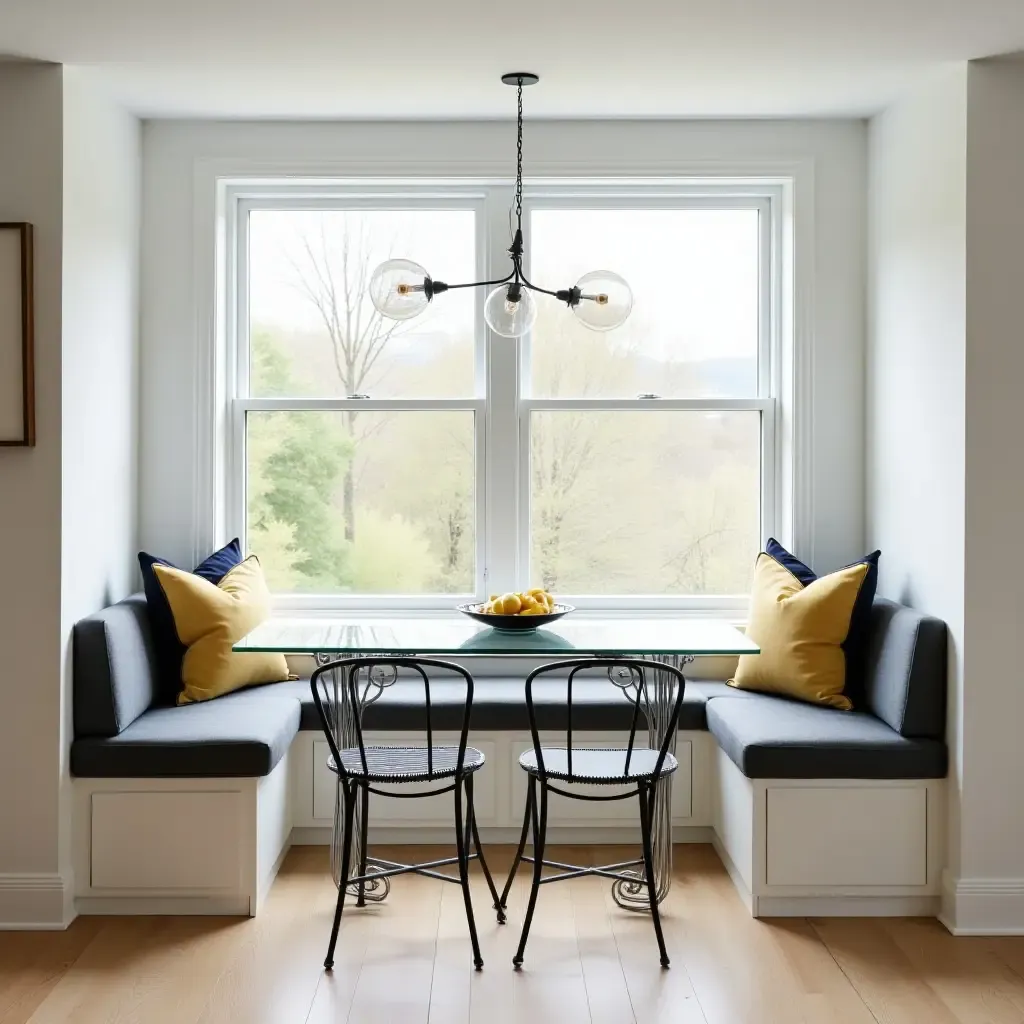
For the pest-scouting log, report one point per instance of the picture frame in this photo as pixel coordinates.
(17, 341)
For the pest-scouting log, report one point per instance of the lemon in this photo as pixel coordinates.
(508, 604)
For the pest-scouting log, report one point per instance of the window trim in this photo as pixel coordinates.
(495, 358)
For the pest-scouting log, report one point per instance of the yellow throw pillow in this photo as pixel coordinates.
(209, 618)
(800, 631)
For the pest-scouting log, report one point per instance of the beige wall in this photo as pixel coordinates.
(945, 469)
(915, 370)
(69, 163)
(30, 509)
(100, 368)
(993, 808)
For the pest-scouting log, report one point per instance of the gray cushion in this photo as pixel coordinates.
(500, 704)
(774, 738)
(244, 734)
(905, 682)
(113, 668)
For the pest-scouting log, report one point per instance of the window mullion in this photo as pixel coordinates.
(504, 370)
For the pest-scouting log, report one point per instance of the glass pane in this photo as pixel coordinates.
(645, 502)
(693, 331)
(362, 502)
(313, 330)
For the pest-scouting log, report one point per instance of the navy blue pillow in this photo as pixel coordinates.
(855, 645)
(169, 649)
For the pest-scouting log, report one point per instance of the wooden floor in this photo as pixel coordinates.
(409, 961)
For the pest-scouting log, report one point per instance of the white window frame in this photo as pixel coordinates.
(501, 405)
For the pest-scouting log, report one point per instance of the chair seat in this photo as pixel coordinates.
(604, 765)
(407, 764)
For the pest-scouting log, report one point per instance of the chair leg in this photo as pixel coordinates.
(540, 828)
(463, 853)
(480, 850)
(364, 825)
(517, 860)
(647, 798)
(346, 860)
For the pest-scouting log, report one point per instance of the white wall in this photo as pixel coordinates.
(30, 509)
(102, 175)
(992, 806)
(916, 366)
(945, 464)
(180, 158)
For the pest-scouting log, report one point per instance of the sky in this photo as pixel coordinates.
(694, 273)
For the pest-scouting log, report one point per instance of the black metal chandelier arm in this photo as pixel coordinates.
(440, 286)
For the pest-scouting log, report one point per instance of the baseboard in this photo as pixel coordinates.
(824, 906)
(31, 902)
(418, 836)
(982, 906)
(268, 880)
(164, 906)
(845, 906)
(737, 879)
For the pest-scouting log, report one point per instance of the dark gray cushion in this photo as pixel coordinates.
(708, 689)
(500, 704)
(241, 735)
(905, 684)
(774, 738)
(114, 673)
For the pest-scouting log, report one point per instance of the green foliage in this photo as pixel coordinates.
(295, 461)
(390, 555)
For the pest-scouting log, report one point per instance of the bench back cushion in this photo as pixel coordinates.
(906, 670)
(114, 668)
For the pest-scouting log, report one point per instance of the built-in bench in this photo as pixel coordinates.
(813, 810)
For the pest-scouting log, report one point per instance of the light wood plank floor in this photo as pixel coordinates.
(408, 961)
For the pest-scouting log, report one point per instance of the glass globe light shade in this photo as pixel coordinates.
(397, 289)
(605, 300)
(507, 318)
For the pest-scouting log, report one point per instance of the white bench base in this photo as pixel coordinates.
(792, 847)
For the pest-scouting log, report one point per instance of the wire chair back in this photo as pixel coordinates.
(653, 688)
(343, 689)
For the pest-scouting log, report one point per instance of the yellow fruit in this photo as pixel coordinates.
(535, 610)
(507, 604)
(526, 602)
(494, 597)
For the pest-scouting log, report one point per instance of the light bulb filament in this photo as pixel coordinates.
(601, 298)
(408, 289)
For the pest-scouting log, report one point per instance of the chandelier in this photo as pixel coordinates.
(601, 300)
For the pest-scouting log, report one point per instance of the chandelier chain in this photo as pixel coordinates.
(519, 160)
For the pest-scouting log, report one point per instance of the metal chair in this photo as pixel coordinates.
(641, 768)
(360, 768)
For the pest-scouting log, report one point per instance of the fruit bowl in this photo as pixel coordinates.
(514, 623)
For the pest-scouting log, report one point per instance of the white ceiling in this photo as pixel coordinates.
(443, 58)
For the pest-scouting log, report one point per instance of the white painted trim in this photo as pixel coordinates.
(982, 906)
(782, 190)
(161, 906)
(845, 906)
(35, 902)
(746, 898)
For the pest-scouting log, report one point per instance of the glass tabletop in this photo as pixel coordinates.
(456, 634)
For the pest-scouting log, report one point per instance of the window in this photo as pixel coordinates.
(411, 464)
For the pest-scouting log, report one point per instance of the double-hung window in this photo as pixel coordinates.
(374, 463)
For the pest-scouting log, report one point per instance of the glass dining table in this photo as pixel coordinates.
(673, 641)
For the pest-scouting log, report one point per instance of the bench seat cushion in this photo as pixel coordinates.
(499, 704)
(774, 738)
(241, 735)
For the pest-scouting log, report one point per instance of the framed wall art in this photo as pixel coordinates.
(17, 386)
